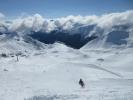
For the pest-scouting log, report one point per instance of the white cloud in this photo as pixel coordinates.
(108, 20)
(69, 21)
(27, 23)
(37, 22)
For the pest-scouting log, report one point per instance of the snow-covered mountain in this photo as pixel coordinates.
(110, 30)
(43, 59)
(12, 42)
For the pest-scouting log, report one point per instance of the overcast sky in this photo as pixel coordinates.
(59, 8)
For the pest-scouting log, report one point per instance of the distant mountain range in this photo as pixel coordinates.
(83, 32)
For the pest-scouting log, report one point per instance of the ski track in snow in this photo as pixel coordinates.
(100, 68)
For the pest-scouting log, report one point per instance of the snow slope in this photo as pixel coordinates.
(12, 42)
(53, 74)
(32, 70)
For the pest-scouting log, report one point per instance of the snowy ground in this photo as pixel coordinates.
(53, 74)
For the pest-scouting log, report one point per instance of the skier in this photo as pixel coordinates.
(81, 83)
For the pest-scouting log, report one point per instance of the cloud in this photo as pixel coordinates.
(39, 23)
(109, 20)
(31, 23)
(69, 22)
